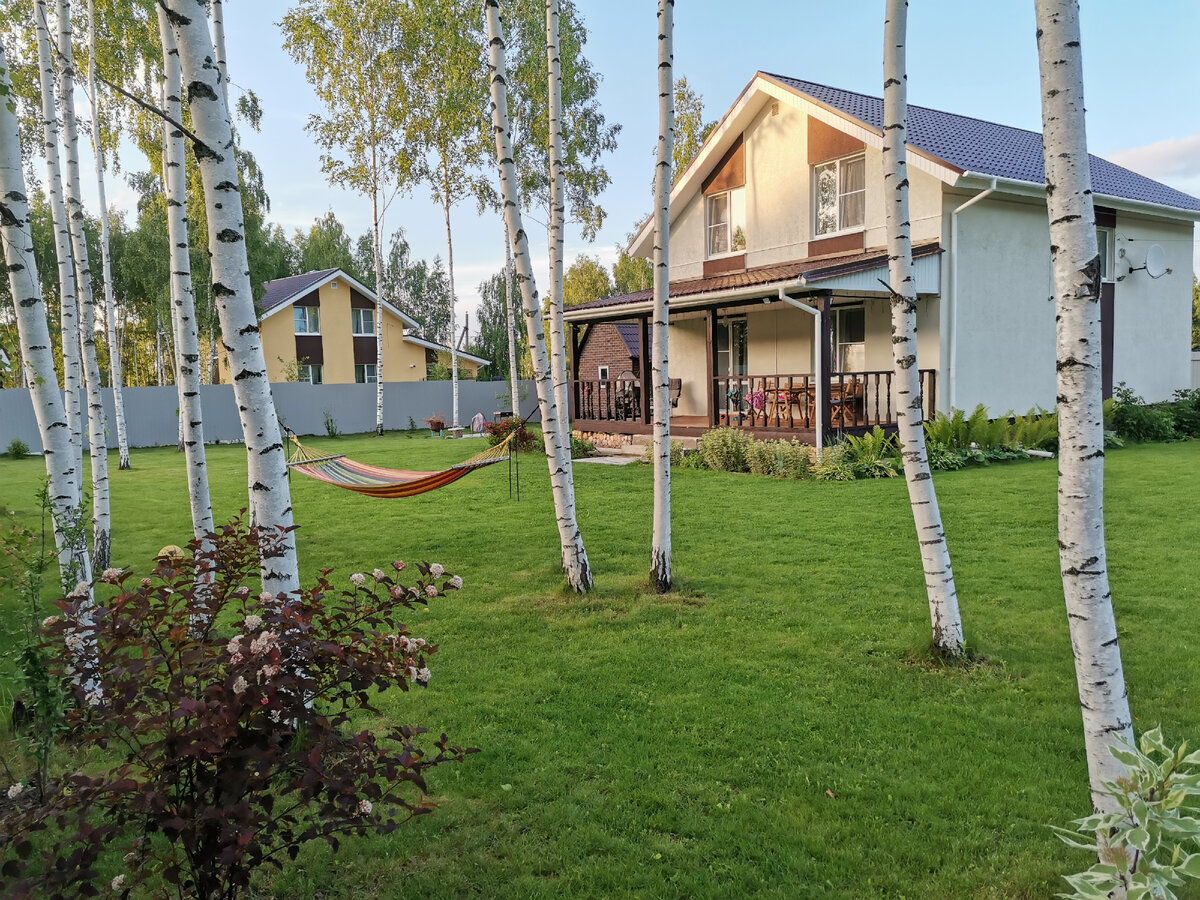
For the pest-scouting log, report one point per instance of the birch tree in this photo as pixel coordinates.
(1075, 259)
(660, 543)
(931, 537)
(511, 329)
(183, 306)
(97, 426)
(213, 146)
(350, 52)
(558, 457)
(37, 357)
(110, 306)
(68, 305)
(558, 222)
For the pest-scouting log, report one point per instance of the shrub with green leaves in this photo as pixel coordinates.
(1185, 406)
(1153, 844)
(17, 449)
(780, 459)
(234, 733)
(725, 449)
(581, 448)
(832, 464)
(874, 455)
(1135, 420)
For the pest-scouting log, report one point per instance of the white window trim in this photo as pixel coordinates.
(354, 333)
(317, 308)
(1109, 236)
(855, 229)
(733, 227)
(371, 378)
(602, 373)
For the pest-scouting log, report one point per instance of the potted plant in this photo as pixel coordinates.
(436, 423)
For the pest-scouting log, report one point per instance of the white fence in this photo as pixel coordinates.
(151, 413)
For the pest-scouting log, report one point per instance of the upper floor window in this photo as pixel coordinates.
(308, 319)
(362, 322)
(725, 222)
(840, 191)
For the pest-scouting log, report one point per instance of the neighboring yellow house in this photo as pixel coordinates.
(319, 328)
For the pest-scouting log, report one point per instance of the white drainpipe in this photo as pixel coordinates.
(820, 405)
(947, 320)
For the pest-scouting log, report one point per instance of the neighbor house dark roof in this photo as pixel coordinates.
(985, 148)
(814, 268)
(283, 289)
(629, 334)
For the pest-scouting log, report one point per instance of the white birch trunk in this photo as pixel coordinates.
(453, 323)
(558, 457)
(37, 355)
(1075, 260)
(218, 27)
(183, 304)
(110, 306)
(513, 377)
(931, 537)
(270, 493)
(558, 215)
(159, 377)
(377, 261)
(68, 306)
(660, 542)
(97, 426)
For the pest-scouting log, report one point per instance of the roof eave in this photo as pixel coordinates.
(408, 321)
(1037, 190)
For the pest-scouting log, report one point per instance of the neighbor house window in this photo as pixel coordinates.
(308, 319)
(362, 322)
(309, 374)
(602, 373)
(725, 218)
(840, 191)
(365, 374)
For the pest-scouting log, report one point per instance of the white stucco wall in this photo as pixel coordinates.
(688, 342)
(777, 186)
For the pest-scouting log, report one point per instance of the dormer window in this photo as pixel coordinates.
(725, 220)
(840, 191)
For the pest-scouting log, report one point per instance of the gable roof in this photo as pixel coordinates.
(985, 148)
(283, 292)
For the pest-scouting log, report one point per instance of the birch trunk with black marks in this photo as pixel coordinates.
(37, 354)
(935, 554)
(270, 493)
(450, 282)
(377, 262)
(183, 303)
(97, 425)
(558, 457)
(1075, 260)
(558, 215)
(660, 544)
(513, 377)
(110, 306)
(68, 305)
(218, 28)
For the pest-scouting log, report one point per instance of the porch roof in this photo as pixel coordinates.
(797, 274)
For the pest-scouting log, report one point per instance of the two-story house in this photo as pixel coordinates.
(319, 328)
(778, 303)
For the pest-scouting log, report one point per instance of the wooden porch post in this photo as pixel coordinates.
(710, 391)
(825, 336)
(644, 366)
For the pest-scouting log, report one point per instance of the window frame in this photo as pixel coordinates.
(374, 375)
(838, 363)
(732, 224)
(306, 371)
(371, 318)
(838, 162)
(1106, 246)
(602, 373)
(315, 310)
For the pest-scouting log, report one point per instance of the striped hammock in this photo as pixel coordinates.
(376, 481)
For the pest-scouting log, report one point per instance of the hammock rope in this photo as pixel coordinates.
(377, 481)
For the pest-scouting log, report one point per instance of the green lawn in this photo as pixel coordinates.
(773, 726)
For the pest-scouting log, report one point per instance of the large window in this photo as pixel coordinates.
(362, 322)
(725, 220)
(849, 339)
(308, 319)
(840, 189)
(310, 374)
(365, 374)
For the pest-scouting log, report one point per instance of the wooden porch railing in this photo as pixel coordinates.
(608, 400)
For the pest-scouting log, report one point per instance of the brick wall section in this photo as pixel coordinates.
(605, 347)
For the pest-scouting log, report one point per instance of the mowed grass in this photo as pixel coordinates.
(772, 727)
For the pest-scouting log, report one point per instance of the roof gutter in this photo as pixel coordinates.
(819, 406)
(947, 312)
(575, 314)
(1036, 189)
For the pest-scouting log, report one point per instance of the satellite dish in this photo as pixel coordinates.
(1156, 261)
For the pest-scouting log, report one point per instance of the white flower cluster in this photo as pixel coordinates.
(81, 589)
(16, 791)
(399, 565)
(364, 807)
(264, 642)
(456, 583)
(239, 685)
(265, 597)
(74, 641)
(431, 590)
(358, 579)
(234, 649)
(110, 576)
(94, 697)
(252, 623)
(436, 570)
(118, 882)
(49, 620)
(379, 576)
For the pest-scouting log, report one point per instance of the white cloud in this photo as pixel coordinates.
(1175, 161)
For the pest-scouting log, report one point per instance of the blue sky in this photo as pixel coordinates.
(965, 56)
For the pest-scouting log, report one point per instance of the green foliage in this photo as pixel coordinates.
(1151, 846)
(690, 128)
(586, 280)
(874, 455)
(581, 448)
(1134, 420)
(1185, 407)
(833, 464)
(631, 273)
(780, 459)
(725, 449)
(228, 752)
(498, 431)
(331, 426)
(17, 449)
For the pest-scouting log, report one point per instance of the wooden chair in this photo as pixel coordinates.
(675, 386)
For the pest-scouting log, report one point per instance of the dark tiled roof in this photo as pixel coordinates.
(282, 289)
(629, 334)
(974, 145)
(814, 268)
